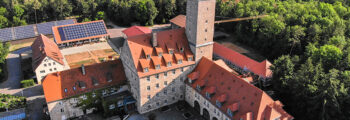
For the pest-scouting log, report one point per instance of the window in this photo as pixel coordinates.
(93, 94)
(74, 88)
(218, 104)
(44, 65)
(198, 88)
(50, 69)
(65, 90)
(157, 67)
(84, 97)
(148, 97)
(145, 69)
(165, 74)
(179, 61)
(181, 49)
(160, 54)
(148, 78)
(157, 103)
(169, 64)
(229, 112)
(165, 92)
(174, 71)
(207, 94)
(206, 21)
(206, 30)
(55, 69)
(173, 89)
(112, 106)
(62, 110)
(157, 94)
(171, 51)
(54, 63)
(165, 83)
(165, 101)
(43, 71)
(214, 110)
(148, 88)
(157, 76)
(49, 64)
(182, 69)
(148, 56)
(189, 58)
(157, 85)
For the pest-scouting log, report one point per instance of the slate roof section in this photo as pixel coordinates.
(179, 20)
(61, 85)
(235, 93)
(44, 47)
(260, 68)
(169, 40)
(136, 30)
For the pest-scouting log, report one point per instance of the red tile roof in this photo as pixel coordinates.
(179, 20)
(170, 39)
(44, 47)
(262, 69)
(58, 39)
(136, 30)
(54, 84)
(231, 89)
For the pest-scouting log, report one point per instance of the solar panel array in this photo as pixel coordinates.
(46, 28)
(22, 32)
(65, 22)
(6, 34)
(28, 31)
(82, 30)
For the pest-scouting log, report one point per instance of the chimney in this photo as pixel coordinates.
(154, 39)
(83, 69)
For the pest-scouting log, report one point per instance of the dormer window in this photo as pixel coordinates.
(181, 49)
(157, 67)
(148, 56)
(179, 61)
(169, 64)
(171, 52)
(145, 69)
(198, 88)
(160, 54)
(218, 103)
(189, 80)
(207, 94)
(229, 112)
(189, 58)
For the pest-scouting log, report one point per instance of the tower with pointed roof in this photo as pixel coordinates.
(200, 15)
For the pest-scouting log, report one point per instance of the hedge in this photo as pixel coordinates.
(27, 83)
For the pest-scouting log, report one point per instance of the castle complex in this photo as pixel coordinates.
(173, 65)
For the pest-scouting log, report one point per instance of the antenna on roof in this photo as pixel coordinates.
(83, 69)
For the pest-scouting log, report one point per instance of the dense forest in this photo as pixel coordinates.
(308, 41)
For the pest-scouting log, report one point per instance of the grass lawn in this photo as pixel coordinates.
(19, 46)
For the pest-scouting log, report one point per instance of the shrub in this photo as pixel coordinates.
(27, 83)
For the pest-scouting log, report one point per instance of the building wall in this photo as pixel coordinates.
(64, 109)
(192, 95)
(200, 27)
(170, 89)
(47, 66)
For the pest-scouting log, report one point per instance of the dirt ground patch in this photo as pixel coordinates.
(90, 57)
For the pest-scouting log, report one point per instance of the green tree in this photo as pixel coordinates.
(62, 8)
(3, 22)
(145, 11)
(18, 11)
(18, 22)
(100, 15)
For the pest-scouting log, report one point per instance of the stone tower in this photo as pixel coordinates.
(200, 15)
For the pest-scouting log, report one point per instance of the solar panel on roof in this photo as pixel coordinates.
(65, 22)
(6, 34)
(45, 28)
(22, 32)
(82, 30)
